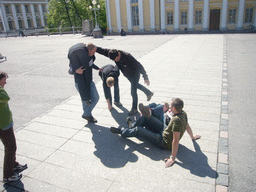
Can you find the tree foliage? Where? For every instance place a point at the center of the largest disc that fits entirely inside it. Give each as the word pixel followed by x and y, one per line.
pixel 68 13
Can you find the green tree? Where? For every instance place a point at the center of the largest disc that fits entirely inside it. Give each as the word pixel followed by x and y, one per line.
pixel 68 13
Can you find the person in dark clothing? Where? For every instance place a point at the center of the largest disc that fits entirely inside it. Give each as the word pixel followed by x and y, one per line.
pixel 81 57
pixel 109 76
pixel 131 69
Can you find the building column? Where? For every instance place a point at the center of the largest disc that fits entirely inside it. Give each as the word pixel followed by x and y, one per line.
pixel 176 15
pixel 190 15
pixel 206 16
pixel 3 16
pixel 24 15
pixel 14 13
pixel 41 15
pixel 163 13
pixel 108 16
pixel 118 15
pixel 240 18
pixel 152 15
pixel 33 14
pixel 129 15
pixel 141 16
pixel 224 10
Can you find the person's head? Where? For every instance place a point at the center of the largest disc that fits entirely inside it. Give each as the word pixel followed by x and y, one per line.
pixel 110 81
pixel 166 106
pixel 176 105
pixel 91 49
pixel 3 77
pixel 114 55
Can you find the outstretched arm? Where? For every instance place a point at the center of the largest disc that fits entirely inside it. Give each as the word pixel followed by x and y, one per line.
pixel 190 132
pixel 102 51
pixel 175 145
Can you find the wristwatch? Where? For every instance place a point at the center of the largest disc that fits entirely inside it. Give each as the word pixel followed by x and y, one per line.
pixel 173 158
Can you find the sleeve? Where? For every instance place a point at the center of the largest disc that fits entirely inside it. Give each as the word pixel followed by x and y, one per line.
pixel 106 90
pixel 176 125
pixel 102 51
pixel 95 66
pixel 4 97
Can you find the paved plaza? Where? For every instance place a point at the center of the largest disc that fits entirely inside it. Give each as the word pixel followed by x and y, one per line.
pixel 65 153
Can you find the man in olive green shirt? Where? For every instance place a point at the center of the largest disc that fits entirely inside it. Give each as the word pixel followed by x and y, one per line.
pixel 177 124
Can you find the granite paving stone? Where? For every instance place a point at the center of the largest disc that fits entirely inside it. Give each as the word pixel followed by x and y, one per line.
pixel 66 153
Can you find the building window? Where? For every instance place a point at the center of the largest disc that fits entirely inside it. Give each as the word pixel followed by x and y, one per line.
pixel 17 8
pixel 198 0
pixel 43 8
pixel 29 22
pixel 26 8
pixel 135 15
pixel 232 16
pixel 134 1
pixel 169 1
pixel 198 17
pixel 35 8
pixel 20 23
pixel 38 23
pixel 7 10
pixel 183 0
pixel 10 25
pixel 183 17
pixel 169 18
pixel 45 21
pixel 248 15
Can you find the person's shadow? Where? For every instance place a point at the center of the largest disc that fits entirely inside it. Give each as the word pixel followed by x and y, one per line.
pixel 112 151
pixel 196 162
pixel 16 186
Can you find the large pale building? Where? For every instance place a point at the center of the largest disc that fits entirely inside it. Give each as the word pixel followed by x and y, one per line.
pixel 19 15
pixel 177 15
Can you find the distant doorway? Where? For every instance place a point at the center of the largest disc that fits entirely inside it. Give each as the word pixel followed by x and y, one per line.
pixel 214 19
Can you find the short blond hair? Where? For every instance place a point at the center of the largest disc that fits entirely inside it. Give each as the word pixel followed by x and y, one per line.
pixel 166 104
pixel 91 46
pixel 110 81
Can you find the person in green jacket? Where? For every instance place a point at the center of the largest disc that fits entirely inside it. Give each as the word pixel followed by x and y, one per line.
pixel 11 168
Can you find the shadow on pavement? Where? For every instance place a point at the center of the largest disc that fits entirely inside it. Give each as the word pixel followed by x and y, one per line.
pixel 112 152
pixel 16 186
pixel 196 162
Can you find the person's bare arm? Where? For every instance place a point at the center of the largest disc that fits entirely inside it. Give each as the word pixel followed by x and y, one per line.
pixel 190 132
pixel 175 145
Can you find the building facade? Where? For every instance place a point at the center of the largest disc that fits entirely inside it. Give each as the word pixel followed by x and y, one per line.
pixel 20 15
pixel 178 15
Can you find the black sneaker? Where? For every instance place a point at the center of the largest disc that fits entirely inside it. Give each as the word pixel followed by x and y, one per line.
pixel 19 168
pixel 13 178
pixel 115 130
pixel 144 110
pixel 149 96
pixel 90 119
pixel 129 122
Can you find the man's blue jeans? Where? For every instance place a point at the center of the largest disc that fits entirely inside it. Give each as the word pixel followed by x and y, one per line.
pixel 134 86
pixel 94 99
pixel 139 131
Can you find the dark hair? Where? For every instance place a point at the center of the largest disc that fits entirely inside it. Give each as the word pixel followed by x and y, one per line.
pixel 112 54
pixel 178 104
pixel 3 74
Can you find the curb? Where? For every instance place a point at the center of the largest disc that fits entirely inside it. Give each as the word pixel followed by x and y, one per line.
pixel 222 181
